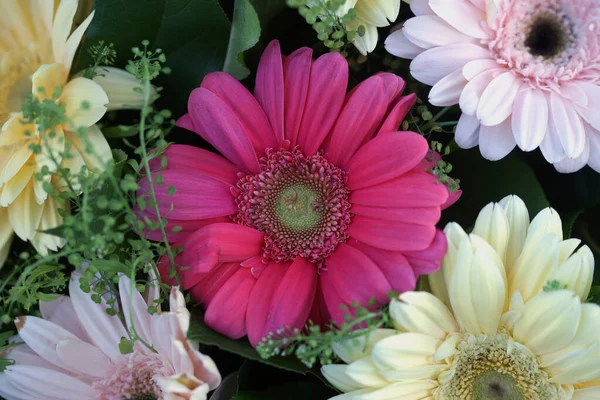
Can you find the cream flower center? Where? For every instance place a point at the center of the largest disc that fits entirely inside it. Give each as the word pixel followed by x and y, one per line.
pixel 494 368
pixel 16 68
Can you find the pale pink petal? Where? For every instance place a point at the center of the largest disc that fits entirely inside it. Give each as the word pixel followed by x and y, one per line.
pixel 43 337
pixel 429 31
pixel 495 142
pixel 328 83
pixel 497 100
pixel 269 87
pixel 467 131
pixel 391 235
pixel 24 355
pixel 49 384
pixel 348 265
pixel 594 137
pixel 420 7
pixel 476 67
pixel 227 312
pixel 589 112
pixel 394 153
pixel 397 114
pixel 569 125
pixel 247 109
pixel 471 94
pixel 462 15
pixel 215 244
pixel 260 300
pixel 448 90
pixel 293 298
pixel 397 44
pixel 11 392
pixel 165 326
pixel 530 118
pixel 205 290
pixel 393 264
pixel 429 260
pixel 62 313
pixel 568 165
pixel 135 309
pixel 296 74
pixel 219 125
pixel 354 126
pixel 105 331
pixel 192 190
pixel 551 146
pixel 84 358
pixel 432 65
pixel 575 92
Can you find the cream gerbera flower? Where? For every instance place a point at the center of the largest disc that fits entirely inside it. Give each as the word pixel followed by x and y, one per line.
pixel 506 320
pixel 36 53
pixel 371 14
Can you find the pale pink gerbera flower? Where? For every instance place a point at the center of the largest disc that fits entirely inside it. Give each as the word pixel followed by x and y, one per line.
pixel 525 72
pixel 73 352
pixel 316 202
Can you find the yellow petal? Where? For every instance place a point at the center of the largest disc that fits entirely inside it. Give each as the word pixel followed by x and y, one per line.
pixel 366 43
pixel 75 165
pixel 73 42
pixel 61 27
pixel 24 214
pixel 405 350
pixel 411 390
pixel 80 91
pixel 48 81
pixel 51 219
pixel 16 184
pixel 492 226
pixel 518 223
pixel 439 280
pixel 378 12
pixel 17 160
pixel 577 272
pixel 119 85
pixel 549 321
pixel 477 286
pixel 365 373
pixel 336 375
pixel 15 132
pixel 358 348
pixel 422 312
pixel 53 147
pixel 101 152
pixel 586 369
pixel 535 265
pixel 6 235
pixel 589 393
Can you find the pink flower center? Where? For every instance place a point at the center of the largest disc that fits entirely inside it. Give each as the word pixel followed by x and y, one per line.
pixel 132 378
pixel 548 41
pixel 300 204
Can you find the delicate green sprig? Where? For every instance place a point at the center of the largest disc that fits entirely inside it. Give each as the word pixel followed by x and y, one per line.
pixel 331 28
pixel 103 55
pixel 552 286
pixel 314 343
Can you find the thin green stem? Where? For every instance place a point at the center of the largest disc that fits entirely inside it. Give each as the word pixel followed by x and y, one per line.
pixel 437 116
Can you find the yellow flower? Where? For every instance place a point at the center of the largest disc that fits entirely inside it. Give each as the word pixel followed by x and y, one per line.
pixel 36 54
pixel 371 14
pixel 506 320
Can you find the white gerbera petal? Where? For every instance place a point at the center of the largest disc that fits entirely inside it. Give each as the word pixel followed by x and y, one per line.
pixel 518 223
pixel 439 280
pixel 356 349
pixel 577 272
pixel 422 312
pixel 492 225
pixel 549 322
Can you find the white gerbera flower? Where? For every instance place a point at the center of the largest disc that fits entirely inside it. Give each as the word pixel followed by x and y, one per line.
pixel 506 320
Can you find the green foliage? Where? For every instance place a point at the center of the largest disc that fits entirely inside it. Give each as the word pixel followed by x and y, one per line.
pixel 552 286
pixel 245 33
pixel 101 54
pixel 332 29
pixel 314 342
pixel 4 347
pixel 194 33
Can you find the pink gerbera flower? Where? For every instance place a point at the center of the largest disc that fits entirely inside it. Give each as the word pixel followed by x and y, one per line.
pixel 316 202
pixel 525 72
pixel 73 352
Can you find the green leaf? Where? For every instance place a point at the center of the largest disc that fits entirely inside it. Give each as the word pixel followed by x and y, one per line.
pixel 110 266
pixel 126 346
pixel 245 32
pixel 484 181
pixel 201 333
pixel 192 33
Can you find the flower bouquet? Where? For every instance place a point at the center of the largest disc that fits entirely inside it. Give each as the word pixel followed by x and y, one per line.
pixel 299 199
